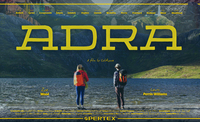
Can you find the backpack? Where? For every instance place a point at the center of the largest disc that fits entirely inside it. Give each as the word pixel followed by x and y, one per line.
pixel 123 77
pixel 78 78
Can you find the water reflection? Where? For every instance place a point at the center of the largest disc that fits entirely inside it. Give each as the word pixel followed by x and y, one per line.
pixel 26 92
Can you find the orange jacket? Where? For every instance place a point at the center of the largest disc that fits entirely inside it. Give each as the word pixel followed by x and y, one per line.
pixel 79 77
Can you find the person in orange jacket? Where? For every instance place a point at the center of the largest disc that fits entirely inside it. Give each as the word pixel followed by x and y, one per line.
pixel 80 76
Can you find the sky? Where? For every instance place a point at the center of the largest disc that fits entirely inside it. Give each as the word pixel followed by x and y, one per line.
pixel 103 1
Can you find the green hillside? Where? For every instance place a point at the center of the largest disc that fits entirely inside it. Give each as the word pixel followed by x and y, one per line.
pixel 169 71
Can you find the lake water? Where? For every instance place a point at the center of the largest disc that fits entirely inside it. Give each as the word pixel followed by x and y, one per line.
pixel 26 92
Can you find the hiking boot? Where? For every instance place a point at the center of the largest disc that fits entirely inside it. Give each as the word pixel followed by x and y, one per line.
pixel 83 108
pixel 118 108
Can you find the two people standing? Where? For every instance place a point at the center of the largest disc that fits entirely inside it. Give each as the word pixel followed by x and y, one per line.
pixel 119 81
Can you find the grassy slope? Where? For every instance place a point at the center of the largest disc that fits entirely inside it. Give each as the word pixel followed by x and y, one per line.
pixel 183 71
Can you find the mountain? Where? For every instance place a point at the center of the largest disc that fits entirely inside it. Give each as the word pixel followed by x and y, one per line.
pixel 77 8
pixel 57 19
pixel 40 63
pixel 141 24
pixel 189 20
pixel 11 10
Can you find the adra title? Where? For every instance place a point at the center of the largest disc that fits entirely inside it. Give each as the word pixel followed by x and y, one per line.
pixel 108 28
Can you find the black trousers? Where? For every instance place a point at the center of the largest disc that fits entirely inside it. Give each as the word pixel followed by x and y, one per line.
pixel 120 96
